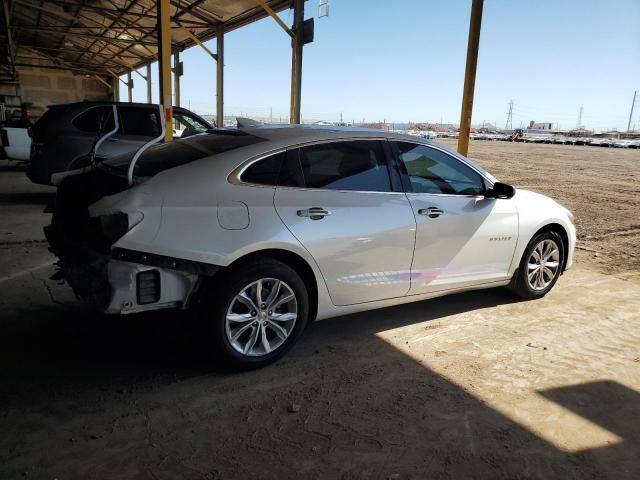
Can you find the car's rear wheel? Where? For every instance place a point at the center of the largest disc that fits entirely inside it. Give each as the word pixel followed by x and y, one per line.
pixel 540 266
pixel 254 314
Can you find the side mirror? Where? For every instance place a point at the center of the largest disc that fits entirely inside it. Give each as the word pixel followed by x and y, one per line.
pixel 501 190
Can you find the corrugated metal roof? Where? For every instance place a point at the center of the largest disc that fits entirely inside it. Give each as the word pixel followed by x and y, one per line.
pixel 95 36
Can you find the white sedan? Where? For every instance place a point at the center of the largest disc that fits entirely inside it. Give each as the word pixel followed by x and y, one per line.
pixel 261 231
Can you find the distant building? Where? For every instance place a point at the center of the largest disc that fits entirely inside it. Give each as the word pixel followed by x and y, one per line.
pixel 541 126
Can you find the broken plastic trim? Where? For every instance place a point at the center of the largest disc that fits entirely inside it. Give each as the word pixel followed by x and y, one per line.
pixel 146 145
pixel 162 261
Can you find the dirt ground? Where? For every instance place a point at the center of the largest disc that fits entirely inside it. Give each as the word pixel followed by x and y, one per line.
pixel 476 385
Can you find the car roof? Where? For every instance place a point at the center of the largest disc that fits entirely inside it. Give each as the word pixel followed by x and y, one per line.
pixel 310 133
pixel 93 103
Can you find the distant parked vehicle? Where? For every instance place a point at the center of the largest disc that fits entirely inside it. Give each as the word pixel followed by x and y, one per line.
pixel 14 139
pixel 63 137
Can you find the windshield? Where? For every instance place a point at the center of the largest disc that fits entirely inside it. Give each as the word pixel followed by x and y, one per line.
pixel 180 152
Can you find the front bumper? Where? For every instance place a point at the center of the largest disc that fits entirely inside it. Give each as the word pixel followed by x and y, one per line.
pixel 572 245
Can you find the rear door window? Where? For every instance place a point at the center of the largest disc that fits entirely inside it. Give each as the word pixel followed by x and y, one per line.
pixel 357 165
pixel 140 121
pixel 95 119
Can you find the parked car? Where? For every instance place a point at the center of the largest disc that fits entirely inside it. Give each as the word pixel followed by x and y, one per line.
pixel 64 135
pixel 263 230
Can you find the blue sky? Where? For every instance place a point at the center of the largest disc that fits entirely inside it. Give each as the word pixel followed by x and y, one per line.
pixel 404 61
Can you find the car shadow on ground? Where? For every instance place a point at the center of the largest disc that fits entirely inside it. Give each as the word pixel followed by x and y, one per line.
pixel 155 342
pixel 81 391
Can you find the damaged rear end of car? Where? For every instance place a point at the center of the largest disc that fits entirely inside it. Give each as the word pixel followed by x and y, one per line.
pixel 93 214
pixel 106 218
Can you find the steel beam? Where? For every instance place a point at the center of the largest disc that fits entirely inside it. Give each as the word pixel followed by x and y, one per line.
pixel 115 81
pixel 220 76
pixel 296 60
pixel 164 63
pixel 104 82
pixel 148 82
pixel 470 76
pixel 176 77
pixel 198 42
pixel 129 87
pixel 83 71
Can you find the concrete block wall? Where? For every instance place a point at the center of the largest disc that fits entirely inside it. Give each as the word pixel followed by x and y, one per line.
pixel 42 87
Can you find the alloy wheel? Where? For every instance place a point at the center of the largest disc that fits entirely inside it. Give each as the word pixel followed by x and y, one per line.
pixel 543 264
pixel 261 317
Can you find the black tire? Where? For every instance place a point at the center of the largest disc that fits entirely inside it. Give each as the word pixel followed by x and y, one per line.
pixel 520 282
pixel 216 299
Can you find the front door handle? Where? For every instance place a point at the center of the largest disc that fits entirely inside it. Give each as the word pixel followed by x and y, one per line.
pixel 431 212
pixel 314 213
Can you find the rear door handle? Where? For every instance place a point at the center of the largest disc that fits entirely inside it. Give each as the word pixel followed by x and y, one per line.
pixel 314 213
pixel 431 212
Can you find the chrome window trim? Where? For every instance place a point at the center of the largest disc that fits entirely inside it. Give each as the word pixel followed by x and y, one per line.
pixel 235 176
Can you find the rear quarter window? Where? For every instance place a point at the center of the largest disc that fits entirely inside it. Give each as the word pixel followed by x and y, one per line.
pixel 264 171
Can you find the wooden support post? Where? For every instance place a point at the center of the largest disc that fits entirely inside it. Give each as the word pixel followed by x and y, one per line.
pixel 470 76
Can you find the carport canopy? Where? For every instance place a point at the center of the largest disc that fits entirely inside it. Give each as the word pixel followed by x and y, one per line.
pixel 106 37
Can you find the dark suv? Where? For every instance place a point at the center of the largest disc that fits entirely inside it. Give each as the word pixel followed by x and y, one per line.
pixel 63 137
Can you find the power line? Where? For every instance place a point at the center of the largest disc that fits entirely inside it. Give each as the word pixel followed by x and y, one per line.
pixel 580 117
pixel 509 124
pixel 633 105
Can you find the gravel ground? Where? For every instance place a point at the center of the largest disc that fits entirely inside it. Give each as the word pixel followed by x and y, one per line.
pixel 476 385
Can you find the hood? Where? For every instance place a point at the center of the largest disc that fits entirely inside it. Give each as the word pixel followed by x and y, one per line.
pixel 527 200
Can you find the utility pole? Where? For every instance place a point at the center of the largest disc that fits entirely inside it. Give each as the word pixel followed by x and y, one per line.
pixel 509 124
pixel 633 105
pixel 580 117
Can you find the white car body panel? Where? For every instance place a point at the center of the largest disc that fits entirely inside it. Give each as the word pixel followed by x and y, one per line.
pixel 472 241
pixel 535 211
pixel 361 255
pixel 363 248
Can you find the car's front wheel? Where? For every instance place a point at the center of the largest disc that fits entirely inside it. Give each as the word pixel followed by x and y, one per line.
pixel 540 266
pixel 254 315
